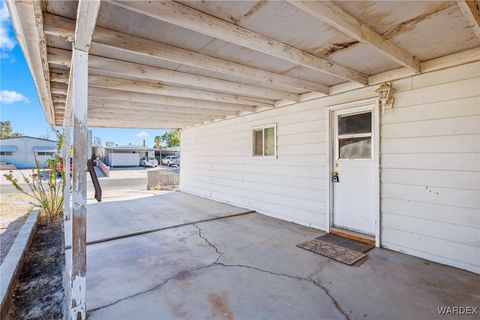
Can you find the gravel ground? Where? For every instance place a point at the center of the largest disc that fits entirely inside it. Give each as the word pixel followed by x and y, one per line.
pixel 39 293
pixel 14 209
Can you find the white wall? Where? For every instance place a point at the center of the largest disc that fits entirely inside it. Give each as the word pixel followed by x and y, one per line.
pixel 23 157
pixel 430 165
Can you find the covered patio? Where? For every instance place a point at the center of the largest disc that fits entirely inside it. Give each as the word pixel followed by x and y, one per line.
pixel 199 259
pixel 259 90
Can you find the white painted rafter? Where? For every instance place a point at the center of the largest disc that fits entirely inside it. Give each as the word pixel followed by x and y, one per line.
pixel 333 15
pixel 57 26
pixel 471 11
pixel 186 17
pixel 27 22
pixel 167 90
pixel 121 69
pixel 166 100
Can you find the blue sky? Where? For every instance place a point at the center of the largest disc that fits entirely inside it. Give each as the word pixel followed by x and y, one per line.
pixel 19 101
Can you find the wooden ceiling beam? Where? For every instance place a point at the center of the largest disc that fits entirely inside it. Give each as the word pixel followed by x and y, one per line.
pixel 167 90
pixel 333 15
pixel 87 13
pixel 192 19
pixel 147 107
pixel 57 26
pixel 59 76
pixel 102 123
pixel 470 10
pixel 58 88
pixel 165 100
pixel 27 22
pixel 149 117
pixel 121 69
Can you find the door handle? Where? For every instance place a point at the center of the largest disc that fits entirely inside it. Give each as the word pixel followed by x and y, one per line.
pixel 335 177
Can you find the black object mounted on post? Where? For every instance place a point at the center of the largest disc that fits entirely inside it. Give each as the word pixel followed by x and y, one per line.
pixel 96 184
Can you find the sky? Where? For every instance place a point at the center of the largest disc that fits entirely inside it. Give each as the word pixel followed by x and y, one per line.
pixel 19 102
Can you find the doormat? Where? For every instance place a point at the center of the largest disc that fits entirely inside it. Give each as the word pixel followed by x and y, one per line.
pixel 333 251
pixel 346 243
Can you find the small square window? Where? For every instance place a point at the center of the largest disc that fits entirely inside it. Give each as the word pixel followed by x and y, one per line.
pixel 265 141
pixel 6 153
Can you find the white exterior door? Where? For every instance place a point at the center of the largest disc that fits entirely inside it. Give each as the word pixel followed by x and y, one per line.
pixel 354 170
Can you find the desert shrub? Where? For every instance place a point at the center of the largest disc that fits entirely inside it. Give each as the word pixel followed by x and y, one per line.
pixel 46 184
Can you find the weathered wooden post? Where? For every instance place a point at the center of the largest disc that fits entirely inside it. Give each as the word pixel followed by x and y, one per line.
pixel 66 167
pixel 86 19
pixel 79 198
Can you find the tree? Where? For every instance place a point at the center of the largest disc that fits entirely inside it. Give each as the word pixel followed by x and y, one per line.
pixel 158 141
pixel 171 138
pixel 6 130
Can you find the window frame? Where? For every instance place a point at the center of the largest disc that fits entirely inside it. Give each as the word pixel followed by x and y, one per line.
pixel 45 153
pixel 6 153
pixel 275 141
pixel 353 135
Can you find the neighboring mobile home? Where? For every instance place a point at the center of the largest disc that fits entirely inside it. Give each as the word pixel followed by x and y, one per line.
pixel 126 156
pixel 359 117
pixel 23 151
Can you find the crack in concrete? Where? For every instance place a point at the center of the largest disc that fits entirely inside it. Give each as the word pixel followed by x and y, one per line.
pixel 317 284
pixel 217 263
pixel 158 286
pixel 220 254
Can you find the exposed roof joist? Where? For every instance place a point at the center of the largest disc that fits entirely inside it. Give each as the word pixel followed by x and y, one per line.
pixel 27 22
pixel 471 11
pixel 87 13
pixel 189 18
pixel 341 20
pixel 57 26
pixel 121 69
pixel 166 90
pixel 166 100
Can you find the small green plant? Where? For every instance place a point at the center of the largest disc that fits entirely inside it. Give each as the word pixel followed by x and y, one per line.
pixel 46 184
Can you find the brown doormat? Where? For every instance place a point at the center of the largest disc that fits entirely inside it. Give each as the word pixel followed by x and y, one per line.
pixel 346 243
pixel 333 251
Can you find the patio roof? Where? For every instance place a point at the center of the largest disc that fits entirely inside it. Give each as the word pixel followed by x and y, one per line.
pixel 165 64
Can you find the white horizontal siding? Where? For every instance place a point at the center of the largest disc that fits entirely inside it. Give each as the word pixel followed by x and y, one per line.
pixel 430 188
pixel 217 163
pixel 430 164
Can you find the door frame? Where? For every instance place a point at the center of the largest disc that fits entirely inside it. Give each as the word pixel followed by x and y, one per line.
pixel 362 105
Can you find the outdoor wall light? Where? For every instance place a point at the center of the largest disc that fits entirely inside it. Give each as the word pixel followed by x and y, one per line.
pixel 385 96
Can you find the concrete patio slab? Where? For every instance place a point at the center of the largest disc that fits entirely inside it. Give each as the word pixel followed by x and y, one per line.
pixel 122 217
pixel 248 267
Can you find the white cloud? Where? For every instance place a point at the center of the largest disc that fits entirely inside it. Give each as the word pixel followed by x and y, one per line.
pixel 9 97
pixel 7 42
pixel 142 135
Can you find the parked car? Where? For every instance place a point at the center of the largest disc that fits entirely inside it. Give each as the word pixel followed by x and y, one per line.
pixel 148 162
pixel 171 161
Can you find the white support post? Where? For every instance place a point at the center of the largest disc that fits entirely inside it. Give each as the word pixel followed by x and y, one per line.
pixel 79 209
pixel 67 210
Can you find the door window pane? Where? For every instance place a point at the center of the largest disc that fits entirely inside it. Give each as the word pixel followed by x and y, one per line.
pixel 258 142
pixel 354 124
pixel 355 148
pixel 269 134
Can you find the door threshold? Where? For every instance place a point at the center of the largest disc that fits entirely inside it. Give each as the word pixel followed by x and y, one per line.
pixel 360 237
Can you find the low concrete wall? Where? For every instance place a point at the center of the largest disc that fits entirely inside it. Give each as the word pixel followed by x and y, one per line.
pixel 162 179
pixel 105 169
pixel 12 265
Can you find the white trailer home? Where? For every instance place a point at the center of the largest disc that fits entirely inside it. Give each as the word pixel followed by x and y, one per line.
pixel 23 151
pixel 360 118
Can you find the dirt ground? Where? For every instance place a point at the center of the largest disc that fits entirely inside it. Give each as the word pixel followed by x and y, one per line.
pixel 13 213
pixel 39 293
